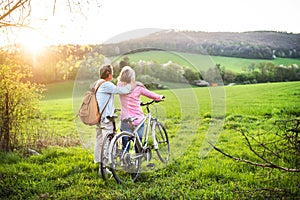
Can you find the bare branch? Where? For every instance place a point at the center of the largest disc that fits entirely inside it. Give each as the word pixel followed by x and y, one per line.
pixel 255 152
pixel 70 5
pixel 54 5
pixel 3 24
pixel 291 130
pixel 17 5
pixel 269 165
pixel 264 145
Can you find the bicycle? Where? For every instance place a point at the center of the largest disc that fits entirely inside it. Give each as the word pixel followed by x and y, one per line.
pixel 125 161
pixel 104 156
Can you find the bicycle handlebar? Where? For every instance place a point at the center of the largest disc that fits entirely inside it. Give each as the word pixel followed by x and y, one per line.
pixel 150 102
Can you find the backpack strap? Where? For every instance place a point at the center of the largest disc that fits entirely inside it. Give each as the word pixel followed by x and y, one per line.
pixel 105 105
pixel 97 85
pixel 95 88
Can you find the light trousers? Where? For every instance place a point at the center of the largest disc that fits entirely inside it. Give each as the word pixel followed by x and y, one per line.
pixel 102 130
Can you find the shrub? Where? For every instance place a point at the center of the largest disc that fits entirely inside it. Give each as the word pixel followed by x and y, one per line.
pixel 19 105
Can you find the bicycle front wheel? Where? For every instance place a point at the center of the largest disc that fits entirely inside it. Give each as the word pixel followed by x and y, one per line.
pixel 104 157
pixel 161 136
pixel 125 160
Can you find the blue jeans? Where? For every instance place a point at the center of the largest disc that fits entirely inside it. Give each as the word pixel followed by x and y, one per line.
pixel 125 127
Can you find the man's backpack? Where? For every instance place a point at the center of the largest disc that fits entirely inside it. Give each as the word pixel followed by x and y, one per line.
pixel 89 111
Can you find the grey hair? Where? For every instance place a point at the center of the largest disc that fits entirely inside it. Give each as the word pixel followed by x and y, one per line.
pixel 127 75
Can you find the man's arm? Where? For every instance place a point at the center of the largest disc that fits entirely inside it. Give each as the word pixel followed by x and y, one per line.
pixel 122 90
pixel 111 88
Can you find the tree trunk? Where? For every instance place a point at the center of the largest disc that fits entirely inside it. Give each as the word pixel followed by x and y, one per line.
pixel 5 130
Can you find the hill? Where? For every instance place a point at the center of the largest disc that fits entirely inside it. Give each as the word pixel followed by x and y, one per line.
pixel 184 59
pixel 256 44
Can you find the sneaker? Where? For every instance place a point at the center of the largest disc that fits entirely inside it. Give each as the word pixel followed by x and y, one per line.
pixel 107 171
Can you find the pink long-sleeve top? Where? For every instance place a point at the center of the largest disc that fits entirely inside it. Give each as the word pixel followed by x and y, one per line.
pixel 130 103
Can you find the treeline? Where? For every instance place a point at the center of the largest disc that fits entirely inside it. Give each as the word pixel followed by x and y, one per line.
pixel 153 74
pixel 262 72
pixel 256 45
pixel 70 62
pixel 52 63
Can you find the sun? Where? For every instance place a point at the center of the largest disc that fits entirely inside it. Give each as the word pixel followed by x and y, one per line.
pixel 32 41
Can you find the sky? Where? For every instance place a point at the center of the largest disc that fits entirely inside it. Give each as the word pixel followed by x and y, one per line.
pixel 115 20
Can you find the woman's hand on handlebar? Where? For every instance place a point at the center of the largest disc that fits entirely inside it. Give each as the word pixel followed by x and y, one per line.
pixel 153 101
pixel 161 99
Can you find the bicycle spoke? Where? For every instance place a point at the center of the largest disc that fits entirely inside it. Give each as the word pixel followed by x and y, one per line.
pixel 125 164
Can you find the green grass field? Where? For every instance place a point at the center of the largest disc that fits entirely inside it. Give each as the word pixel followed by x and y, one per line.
pixel 202 62
pixel 194 172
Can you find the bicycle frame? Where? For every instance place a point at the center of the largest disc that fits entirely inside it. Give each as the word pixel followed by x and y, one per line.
pixel 127 150
pixel 151 122
pixel 137 142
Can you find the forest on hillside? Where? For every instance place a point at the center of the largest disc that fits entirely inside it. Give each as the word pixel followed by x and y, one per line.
pixel 256 44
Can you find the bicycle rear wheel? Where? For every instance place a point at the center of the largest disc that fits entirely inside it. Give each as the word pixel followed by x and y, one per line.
pixel 104 157
pixel 161 136
pixel 125 161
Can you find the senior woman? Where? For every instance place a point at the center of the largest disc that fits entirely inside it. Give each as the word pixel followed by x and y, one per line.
pixel 130 103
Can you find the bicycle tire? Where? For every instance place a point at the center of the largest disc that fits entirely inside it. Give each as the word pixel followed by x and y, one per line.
pixel 163 151
pixel 125 166
pixel 104 156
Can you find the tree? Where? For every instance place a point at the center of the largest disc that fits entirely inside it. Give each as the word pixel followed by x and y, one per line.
pixel 191 75
pixel 124 62
pixel 214 75
pixel 280 151
pixel 14 13
pixel 19 96
pixel 17 14
pixel 229 76
pixel 19 100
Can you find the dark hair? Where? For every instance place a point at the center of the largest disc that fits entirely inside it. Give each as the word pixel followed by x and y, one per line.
pixel 105 71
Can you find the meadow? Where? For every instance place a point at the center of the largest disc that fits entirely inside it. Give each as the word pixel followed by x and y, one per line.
pixel 192 116
pixel 203 62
